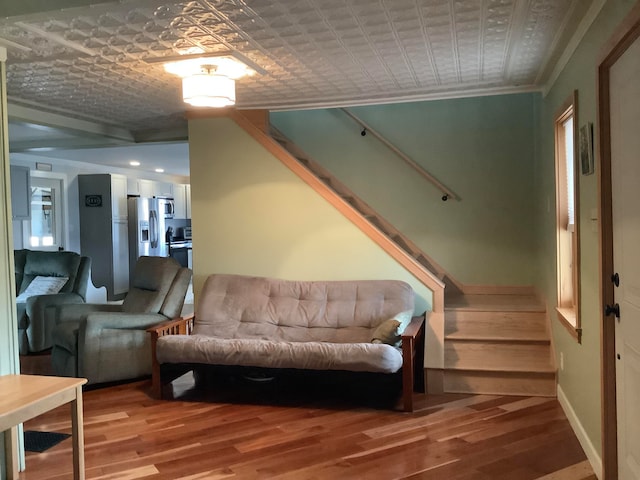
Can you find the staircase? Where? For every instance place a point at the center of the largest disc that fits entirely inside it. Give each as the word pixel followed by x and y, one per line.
pixel 494 343
pixel 497 344
pixel 368 213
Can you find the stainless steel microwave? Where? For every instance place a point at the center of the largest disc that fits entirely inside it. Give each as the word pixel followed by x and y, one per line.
pixel 167 207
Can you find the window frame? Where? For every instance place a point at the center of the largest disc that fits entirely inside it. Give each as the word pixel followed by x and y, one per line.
pixel 57 185
pixel 567 242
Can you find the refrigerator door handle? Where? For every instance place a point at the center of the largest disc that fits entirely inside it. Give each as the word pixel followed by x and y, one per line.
pixel 153 227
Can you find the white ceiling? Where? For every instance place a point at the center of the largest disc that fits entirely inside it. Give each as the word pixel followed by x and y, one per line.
pixel 82 69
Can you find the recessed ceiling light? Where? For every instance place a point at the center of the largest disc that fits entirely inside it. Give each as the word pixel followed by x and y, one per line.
pixel 134 163
pixel 160 170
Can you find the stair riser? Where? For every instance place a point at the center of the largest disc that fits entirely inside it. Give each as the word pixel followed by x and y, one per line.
pixel 500 324
pixel 497 355
pixel 494 303
pixel 498 383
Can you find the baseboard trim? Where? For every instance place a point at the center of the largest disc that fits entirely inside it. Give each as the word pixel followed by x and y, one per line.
pixel 590 451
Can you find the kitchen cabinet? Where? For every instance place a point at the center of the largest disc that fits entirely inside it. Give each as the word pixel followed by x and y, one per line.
pixel 146 188
pixel 163 189
pixel 133 187
pixel 20 193
pixel 150 188
pixel 182 200
pixel 140 188
pixel 104 232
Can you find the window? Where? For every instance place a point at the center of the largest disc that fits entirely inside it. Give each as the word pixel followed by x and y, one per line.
pixel 567 224
pixel 45 230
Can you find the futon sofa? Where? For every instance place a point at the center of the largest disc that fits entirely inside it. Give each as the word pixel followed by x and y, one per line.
pixel 358 326
pixel 45 280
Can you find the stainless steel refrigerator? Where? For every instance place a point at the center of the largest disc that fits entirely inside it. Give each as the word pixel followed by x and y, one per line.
pixel 146 229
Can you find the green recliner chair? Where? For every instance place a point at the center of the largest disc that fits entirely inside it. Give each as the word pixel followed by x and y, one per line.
pixel 109 342
pixel 36 313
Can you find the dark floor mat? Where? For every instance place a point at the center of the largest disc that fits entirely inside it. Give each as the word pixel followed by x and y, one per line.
pixel 42 441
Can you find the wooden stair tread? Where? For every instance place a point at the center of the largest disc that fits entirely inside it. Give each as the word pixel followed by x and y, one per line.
pixel 495 302
pixel 539 369
pixel 510 336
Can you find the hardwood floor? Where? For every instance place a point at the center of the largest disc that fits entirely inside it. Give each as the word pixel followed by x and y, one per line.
pixel 245 432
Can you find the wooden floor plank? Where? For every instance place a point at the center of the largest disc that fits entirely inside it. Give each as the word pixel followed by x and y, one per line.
pixel 128 435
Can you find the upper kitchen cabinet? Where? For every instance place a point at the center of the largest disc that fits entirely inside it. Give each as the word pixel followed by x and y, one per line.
pixel 141 188
pixel 163 189
pixel 20 193
pixel 182 200
pixel 150 188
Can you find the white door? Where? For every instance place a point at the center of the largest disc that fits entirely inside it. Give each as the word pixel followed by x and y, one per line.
pixel 625 177
pixel 45 229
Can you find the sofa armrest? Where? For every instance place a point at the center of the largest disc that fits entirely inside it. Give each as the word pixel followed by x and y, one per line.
pixel 412 359
pixel 41 311
pixel 177 326
pixel 121 320
pixel 113 343
pixel 414 327
pixel 78 312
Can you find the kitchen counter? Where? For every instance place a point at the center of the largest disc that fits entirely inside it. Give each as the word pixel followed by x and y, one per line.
pixel 179 244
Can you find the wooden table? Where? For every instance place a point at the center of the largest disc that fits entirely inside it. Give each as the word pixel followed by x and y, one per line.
pixel 23 397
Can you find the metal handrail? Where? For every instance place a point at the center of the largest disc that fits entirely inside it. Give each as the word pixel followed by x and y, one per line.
pixel 367 129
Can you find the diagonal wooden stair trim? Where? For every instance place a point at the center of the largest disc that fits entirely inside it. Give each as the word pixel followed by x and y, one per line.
pixel 453 287
pixel 368 213
pixel 429 279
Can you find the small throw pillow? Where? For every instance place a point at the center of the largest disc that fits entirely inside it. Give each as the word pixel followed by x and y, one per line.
pixel 387 332
pixel 42 286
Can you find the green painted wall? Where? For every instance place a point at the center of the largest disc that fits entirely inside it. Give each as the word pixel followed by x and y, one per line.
pixel 581 378
pixel 251 215
pixel 481 148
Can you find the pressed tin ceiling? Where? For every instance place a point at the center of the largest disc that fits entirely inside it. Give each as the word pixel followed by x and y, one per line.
pixel 90 62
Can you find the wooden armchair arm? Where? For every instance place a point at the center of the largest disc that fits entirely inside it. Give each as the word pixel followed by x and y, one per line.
pixel 414 327
pixel 177 326
pixel 412 358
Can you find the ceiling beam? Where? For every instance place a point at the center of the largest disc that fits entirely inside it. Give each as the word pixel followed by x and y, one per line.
pixel 20 113
pixel 12 8
pixel 68 143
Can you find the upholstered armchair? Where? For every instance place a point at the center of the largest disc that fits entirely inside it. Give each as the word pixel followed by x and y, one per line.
pixel 109 342
pixel 41 287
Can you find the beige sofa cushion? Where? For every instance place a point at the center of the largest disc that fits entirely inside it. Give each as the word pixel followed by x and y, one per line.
pixel 236 306
pixel 355 357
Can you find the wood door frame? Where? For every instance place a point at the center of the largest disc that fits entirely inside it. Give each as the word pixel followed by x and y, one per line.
pixel 620 41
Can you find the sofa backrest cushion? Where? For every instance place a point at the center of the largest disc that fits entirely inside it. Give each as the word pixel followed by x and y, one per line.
pixel 237 306
pixel 51 264
pixel 150 284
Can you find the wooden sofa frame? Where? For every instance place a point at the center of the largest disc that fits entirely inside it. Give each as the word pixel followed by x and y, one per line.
pixel 412 357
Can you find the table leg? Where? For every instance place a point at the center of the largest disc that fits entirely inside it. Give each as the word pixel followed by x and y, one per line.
pixel 78 435
pixel 11 452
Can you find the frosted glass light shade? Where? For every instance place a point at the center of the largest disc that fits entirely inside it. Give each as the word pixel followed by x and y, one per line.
pixel 209 90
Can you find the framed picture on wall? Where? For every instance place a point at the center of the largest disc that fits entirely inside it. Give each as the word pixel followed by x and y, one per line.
pixel 586 148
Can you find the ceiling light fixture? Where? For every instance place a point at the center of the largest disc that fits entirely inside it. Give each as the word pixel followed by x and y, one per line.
pixel 134 163
pixel 208 80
